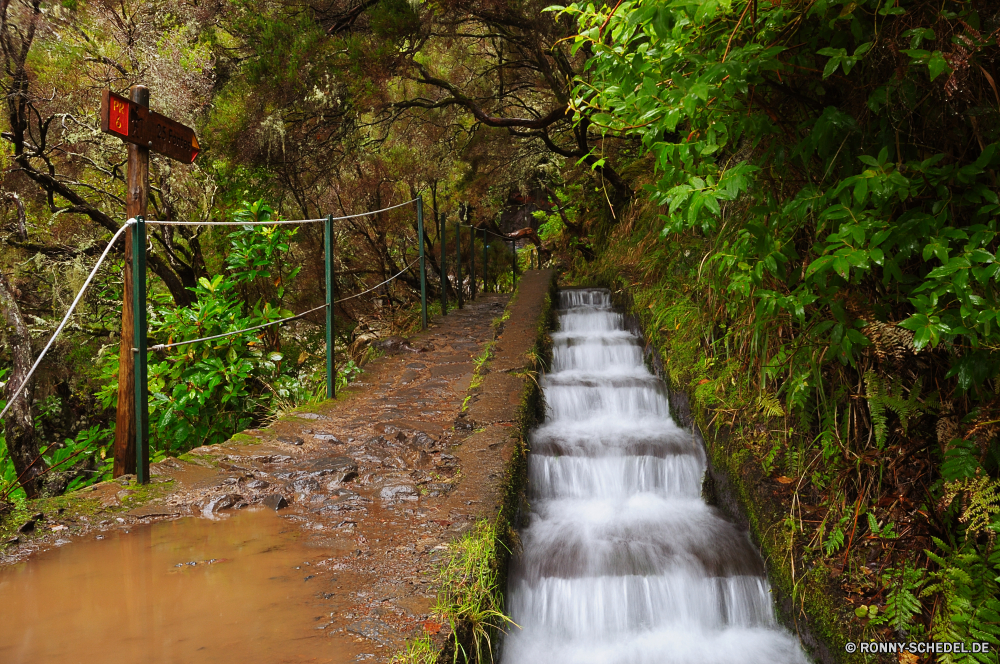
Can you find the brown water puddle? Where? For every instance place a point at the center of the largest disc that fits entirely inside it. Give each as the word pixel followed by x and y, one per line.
pixel 136 597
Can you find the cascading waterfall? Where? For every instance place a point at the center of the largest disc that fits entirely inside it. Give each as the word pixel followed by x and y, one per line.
pixel 622 560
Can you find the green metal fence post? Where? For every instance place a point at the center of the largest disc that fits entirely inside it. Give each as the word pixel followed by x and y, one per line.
pixel 442 238
pixel 139 341
pixel 423 267
pixel 472 263
pixel 331 350
pixel 486 263
pixel 458 263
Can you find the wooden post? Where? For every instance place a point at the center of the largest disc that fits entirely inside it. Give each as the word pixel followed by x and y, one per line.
pixel 136 200
pixel 423 267
pixel 331 365
pixel 442 238
pixel 139 339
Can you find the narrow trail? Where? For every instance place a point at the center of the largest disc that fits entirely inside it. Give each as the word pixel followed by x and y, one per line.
pixel 377 482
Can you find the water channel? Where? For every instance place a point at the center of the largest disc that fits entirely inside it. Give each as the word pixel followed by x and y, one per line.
pixel 622 559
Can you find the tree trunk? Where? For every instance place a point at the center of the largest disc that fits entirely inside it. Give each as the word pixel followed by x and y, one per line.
pixel 19 427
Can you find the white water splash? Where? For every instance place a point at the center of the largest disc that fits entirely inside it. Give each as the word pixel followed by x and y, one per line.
pixel 622 560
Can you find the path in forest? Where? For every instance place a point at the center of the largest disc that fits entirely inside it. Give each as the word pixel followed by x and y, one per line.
pixel 377 481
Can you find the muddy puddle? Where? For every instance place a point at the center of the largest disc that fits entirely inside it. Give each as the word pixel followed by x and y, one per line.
pixel 242 589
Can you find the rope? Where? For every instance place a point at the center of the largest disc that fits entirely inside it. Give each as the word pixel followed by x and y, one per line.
pixel 79 296
pixel 502 237
pixel 229 334
pixel 121 230
pixel 414 262
pixel 272 223
pixel 276 322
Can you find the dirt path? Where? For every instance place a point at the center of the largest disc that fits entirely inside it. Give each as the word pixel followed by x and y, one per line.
pixel 377 482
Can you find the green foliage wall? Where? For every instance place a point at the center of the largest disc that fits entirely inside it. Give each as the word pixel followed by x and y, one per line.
pixel 826 197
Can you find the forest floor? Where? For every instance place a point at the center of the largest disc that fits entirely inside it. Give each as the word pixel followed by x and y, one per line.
pixel 377 483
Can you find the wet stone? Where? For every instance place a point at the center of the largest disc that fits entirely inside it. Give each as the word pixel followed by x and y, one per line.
pixel 275 502
pixel 220 503
pixel 391 494
pixel 376 630
pixel 257 485
pixel 305 485
pixel 338 465
pixel 328 438
pixel 291 440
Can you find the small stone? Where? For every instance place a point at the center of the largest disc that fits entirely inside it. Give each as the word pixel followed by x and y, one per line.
pixel 305 485
pixel 399 492
pixel 328 438
pixel 12 540
pixel 291 440
pixel 257 485
pixel 275 501
pixel 27 527
pixel 221 503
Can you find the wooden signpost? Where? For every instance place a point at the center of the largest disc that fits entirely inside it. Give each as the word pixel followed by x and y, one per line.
pixel 132 121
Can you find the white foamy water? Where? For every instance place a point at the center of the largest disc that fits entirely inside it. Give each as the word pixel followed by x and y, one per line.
pixel 623 562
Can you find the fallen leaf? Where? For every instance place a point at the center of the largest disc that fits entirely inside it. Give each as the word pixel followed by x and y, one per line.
pixel 908 658
pixel 785 480
pixel 432 627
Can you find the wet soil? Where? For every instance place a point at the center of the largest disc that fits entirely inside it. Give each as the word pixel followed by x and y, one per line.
pixel 376 482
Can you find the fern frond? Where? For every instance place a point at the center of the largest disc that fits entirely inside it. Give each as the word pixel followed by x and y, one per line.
pixel 769 405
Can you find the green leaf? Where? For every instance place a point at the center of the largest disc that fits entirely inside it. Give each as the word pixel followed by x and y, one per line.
pixel 831 67
pixel 937 65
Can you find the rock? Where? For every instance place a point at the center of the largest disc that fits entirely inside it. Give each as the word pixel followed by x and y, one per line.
pixel 375 630
pixel 12 540
pixel 394 344
pixel 399 492
pixel 125 480
pixel 308 416
pixel 257 485
pixel 336 466
pixel 27 527
pixel 291 440
pixel 271 458
pixel 305 485
pixel 220 503
pixel 328 438
pixel 275 501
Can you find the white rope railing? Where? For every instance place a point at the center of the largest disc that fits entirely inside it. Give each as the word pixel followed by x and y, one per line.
pixel 121 230
pixel 397 275
pixel 229 334
pixel 69 313
pixel 273 222
pixel 282 320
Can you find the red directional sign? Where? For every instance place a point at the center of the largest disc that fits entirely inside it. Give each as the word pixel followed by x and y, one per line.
pixel 137 124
